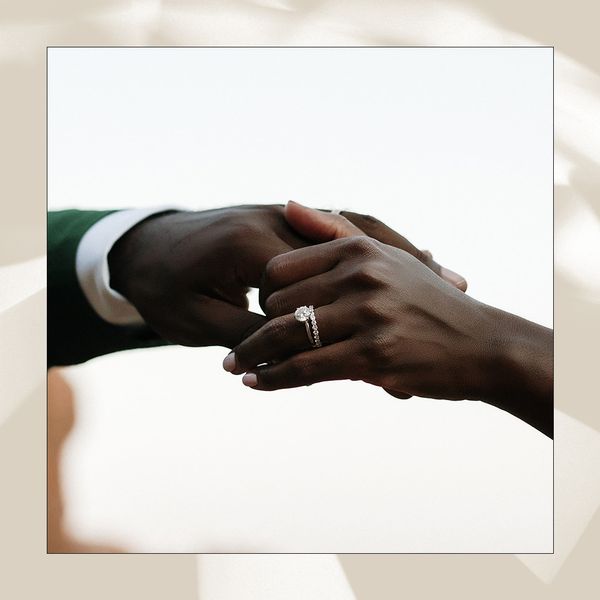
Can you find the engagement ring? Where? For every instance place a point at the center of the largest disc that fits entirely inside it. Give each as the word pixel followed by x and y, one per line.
pixel 306 315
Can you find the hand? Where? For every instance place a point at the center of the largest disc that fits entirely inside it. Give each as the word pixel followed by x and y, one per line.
pixel 188 273
pixel 319 226
pixel 385 319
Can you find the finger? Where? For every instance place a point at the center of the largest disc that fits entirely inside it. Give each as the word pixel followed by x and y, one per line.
pixel 284 336
pixel 255 254
pixel 319 290
pixel 318 226
pixel 401 395
pixel 322 364
pixel 380 231
pixel 321 226
pixel 297 265
pixel 453 278
pixel 210 322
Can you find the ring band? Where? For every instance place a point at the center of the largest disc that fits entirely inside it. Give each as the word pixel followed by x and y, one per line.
pixel 306 315
pixel 315 329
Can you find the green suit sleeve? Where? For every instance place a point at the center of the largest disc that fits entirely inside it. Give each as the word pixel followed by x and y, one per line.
pixel 75 332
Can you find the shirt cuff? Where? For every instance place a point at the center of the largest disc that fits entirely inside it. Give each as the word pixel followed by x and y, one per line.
pixel 91 264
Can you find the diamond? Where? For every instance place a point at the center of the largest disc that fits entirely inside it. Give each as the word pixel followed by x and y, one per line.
pixel 302 314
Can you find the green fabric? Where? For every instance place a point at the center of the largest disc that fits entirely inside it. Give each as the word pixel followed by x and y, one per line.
pixel 75 332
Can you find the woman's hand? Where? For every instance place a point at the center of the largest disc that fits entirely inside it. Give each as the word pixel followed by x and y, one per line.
pixel 386 319
pixel 383 318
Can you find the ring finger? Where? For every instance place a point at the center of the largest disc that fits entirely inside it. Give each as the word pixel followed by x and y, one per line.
pixel 284 336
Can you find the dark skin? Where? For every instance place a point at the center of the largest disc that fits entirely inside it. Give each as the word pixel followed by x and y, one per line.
pixel 398 326
pixel 188 273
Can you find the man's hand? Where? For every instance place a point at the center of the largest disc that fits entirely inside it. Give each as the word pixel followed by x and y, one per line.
pixel 188 273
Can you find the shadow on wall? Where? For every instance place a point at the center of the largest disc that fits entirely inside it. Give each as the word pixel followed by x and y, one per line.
pixel 61 418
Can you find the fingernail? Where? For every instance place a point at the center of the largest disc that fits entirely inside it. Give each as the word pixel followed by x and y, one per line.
pixel 229 362
pixel 454 278
pixel 250 379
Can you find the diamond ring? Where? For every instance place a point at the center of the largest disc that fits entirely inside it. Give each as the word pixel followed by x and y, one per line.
pixel 306 315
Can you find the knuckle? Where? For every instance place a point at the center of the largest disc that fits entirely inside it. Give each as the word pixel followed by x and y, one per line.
pixel 383 351
pixel 273 269
pixel 238 231
pixel 375 359
pixel 275 304
pixel 362 245
pixel 370 310
pixel 368 275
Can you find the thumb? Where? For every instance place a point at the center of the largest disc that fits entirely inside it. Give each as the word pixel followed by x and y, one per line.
pixel 317 225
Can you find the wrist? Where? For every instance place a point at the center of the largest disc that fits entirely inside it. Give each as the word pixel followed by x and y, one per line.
pixel 127 259
pixel 120 259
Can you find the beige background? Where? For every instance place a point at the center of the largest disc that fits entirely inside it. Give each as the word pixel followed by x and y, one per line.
pixel 27 27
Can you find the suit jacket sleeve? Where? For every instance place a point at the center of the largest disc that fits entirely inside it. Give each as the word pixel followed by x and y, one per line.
pixel 75 332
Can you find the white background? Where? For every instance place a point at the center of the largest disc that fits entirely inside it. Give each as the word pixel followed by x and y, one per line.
pixel 451 147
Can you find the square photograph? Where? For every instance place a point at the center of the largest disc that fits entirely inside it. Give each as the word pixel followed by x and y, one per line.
pixel 300 300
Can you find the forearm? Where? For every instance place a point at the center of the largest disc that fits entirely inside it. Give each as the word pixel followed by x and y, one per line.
pixel 520 369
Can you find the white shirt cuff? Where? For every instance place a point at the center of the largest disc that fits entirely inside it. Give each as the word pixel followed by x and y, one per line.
pixel 91 264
